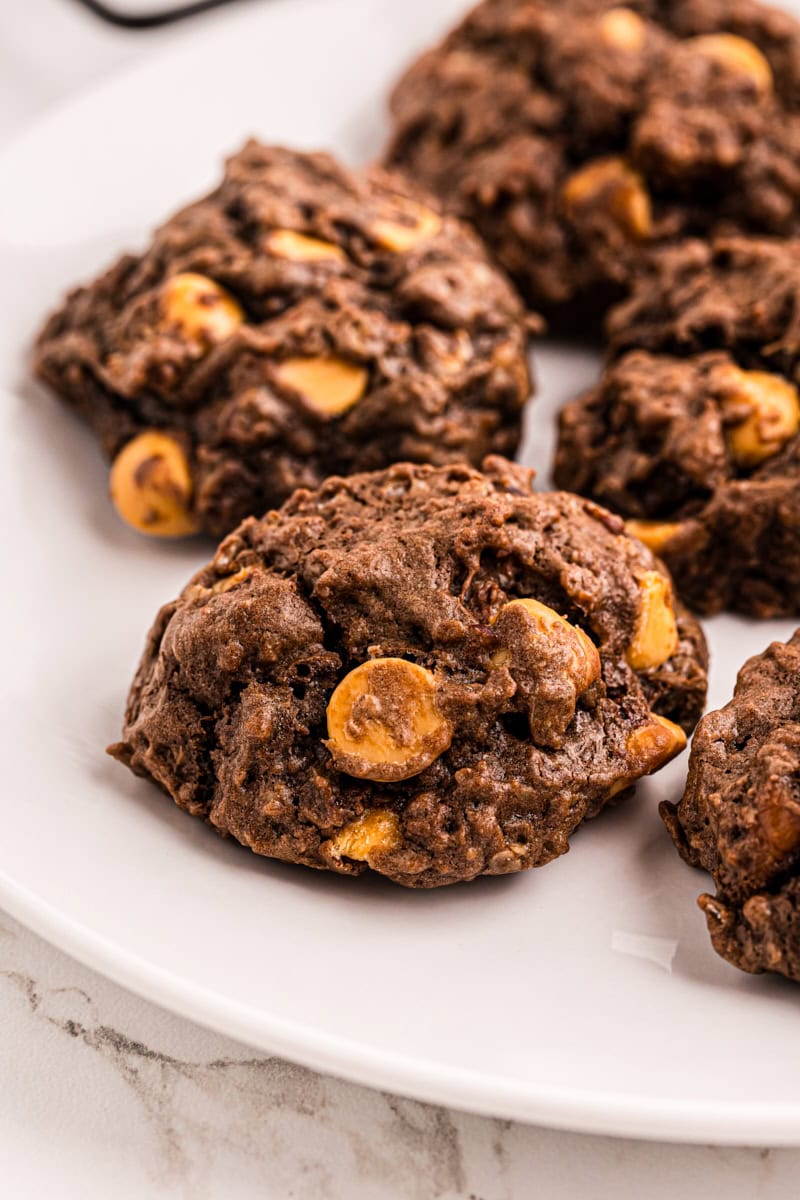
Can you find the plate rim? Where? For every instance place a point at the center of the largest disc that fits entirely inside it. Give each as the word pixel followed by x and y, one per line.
pixel 573 1110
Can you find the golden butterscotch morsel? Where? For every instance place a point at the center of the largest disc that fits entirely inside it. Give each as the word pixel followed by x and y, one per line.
pixel 612 182
pixel 737 54
pixel 384 723
pixel 328 385
pixel 656 636
pixel 651 746
pixel 648 748
pixel 545 622
pixel 656 535
pixel 151 486
pixel 400 236
pixel 772 408
pixel 622 28
pixel 299 247
pixel 199 310
pixel 375 831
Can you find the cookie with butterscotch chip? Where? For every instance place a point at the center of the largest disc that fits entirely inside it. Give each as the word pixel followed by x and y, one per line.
pixel 434 673
pixel 739 817
pixel 579 135
pixel 693 432
pixel 302 319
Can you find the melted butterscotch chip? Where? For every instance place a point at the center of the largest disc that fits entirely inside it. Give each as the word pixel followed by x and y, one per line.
pixel 383 722
pixel 199 309
pixel 374 832
pixel 622 29
pixel 400 236
pixel 584 665
pixel 764 414
pixel 615 185
pixel 651 746
pixel 552 662
pixel 151 486
pixel 654 534
pixel 287 243
pixel 735 54
pixel 328 385
pixel 656 636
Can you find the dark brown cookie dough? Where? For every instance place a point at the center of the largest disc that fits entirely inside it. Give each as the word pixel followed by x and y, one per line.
pixel 577 135
pixel 739 817
pixel 299 320
pixel 694 429
pixel 431 672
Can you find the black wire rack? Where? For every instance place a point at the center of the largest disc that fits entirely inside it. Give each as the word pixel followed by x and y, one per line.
pixel 151 20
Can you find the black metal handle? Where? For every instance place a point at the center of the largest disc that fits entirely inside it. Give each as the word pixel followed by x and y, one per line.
pixel 152 19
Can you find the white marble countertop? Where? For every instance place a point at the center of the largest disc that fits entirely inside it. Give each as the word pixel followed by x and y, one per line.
pixel 105 1095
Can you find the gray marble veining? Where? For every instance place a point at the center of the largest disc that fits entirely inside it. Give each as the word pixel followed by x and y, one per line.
pixel 100 1089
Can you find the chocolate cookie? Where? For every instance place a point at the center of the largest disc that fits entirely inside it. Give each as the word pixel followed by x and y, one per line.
pixel 431 672
pixel 577 135
pixel 695 434
pixel 299 320
pixel 739 817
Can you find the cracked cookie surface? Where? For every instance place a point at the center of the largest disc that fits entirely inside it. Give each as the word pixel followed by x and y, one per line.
pixel 693 432
pixel 739 817
pixel 579 135
pixel 300 320
pixel 434 673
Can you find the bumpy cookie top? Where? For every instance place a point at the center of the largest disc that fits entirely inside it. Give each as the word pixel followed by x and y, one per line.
pixel 578 134
pixel 695 434
pixel 301 319
pixel 740 815
pixel 433 672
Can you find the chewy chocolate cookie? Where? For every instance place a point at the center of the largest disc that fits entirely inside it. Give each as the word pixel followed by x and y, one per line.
pixel 431 672
pixel 695 433
pixel 299 320
pixel 739 817
pixel 579 134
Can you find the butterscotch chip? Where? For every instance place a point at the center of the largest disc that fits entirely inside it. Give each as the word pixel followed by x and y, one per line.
pixel 552 661
pixel 656 535
pixel 199 309
pixel 650 746
pixel 328 385
pixel 287 243
pixel 384 722
pixel 613 184
pixel 546 623
pixel 770 415
pixel 400 236
pixel 622 28
pixel 656 636
pixel 739 817
pixel 151 486
pixel 374 832
pixel 418 672
pixel 735 54
pixel 284 357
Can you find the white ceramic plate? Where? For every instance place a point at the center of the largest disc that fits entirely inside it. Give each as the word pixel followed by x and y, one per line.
pixel 585 995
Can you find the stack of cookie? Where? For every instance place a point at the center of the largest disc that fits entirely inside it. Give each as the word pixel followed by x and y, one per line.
pixel 419 665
